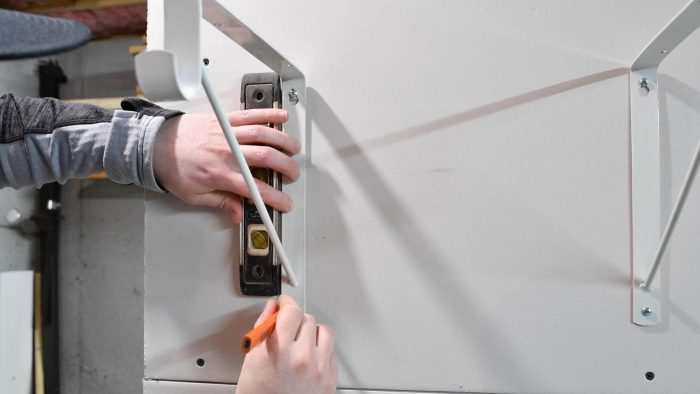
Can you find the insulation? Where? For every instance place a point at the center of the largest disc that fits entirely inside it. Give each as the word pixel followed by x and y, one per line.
pixel 106 22
pixel 103 22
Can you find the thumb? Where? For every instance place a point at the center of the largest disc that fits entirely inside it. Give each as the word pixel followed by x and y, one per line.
pixel 270 308
pixel 228 202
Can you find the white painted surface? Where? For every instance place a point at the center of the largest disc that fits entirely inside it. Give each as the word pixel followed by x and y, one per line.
pixel 175 72
pixel 645 192
pixel 514 117
pixel 16 317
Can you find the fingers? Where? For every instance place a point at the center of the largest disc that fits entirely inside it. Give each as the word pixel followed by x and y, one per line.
pixel 263 135
pixel 334 374
pixel 326 341
pixel 228 202
pixel 270 308
pixel 257 116
pixel 266 157
pixel 289 318
pixel 307 332
pixel 234 183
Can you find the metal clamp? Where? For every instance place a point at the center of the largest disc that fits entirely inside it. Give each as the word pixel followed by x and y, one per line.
pixel 648 245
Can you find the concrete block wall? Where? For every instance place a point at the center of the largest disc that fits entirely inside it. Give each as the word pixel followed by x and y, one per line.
pixel 101 272
pixel 101 248
pixel 17 77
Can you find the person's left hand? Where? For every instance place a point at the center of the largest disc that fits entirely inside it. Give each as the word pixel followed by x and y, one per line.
pixel 297 358
pixel 193 161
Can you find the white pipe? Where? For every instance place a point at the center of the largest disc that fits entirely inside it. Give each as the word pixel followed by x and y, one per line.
pixel 675 214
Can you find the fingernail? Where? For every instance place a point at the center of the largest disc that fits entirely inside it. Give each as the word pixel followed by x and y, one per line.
pixel 291 204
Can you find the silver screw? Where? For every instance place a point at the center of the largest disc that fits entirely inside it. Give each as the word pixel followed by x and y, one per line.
pixel 293 97
pixel 646 311
pixel 13 217
pixel 52 205
pixel 644 87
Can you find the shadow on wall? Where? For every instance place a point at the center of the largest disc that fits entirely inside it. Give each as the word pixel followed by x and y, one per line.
pixel 670 86
pixel 349 148
pixel 409 233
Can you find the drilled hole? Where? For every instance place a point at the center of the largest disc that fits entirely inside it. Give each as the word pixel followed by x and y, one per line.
pixel 649 375
pixel 258 96
pixel 200 362
pixel 258 271
pixel 206 61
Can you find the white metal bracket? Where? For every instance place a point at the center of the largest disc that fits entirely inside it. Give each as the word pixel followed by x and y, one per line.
pixel 648 244
pixel 176 72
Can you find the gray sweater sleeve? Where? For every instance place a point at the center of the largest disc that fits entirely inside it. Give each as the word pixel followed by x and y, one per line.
pixel 45 140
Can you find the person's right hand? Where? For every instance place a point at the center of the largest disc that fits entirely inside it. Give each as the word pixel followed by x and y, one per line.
pixel 297 358
pixel 194 162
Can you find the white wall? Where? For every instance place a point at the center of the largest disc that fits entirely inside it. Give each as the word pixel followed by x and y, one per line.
pixel 468 202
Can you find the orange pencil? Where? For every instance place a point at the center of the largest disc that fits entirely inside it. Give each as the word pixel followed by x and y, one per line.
pixel 258 334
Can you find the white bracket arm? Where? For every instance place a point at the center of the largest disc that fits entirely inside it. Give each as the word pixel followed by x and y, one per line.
pixel 175 73
pixel 648 245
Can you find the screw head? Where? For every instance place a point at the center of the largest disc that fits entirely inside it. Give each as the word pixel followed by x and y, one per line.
pixel 644 86
pixel 293 96
pixel 646 311
pixel 13 216
pixel 52 205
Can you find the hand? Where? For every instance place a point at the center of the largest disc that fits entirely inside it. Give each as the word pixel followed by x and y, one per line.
pixel 297 358
pixel 193 161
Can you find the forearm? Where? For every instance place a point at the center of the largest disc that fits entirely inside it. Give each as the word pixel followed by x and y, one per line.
pixel 44 140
